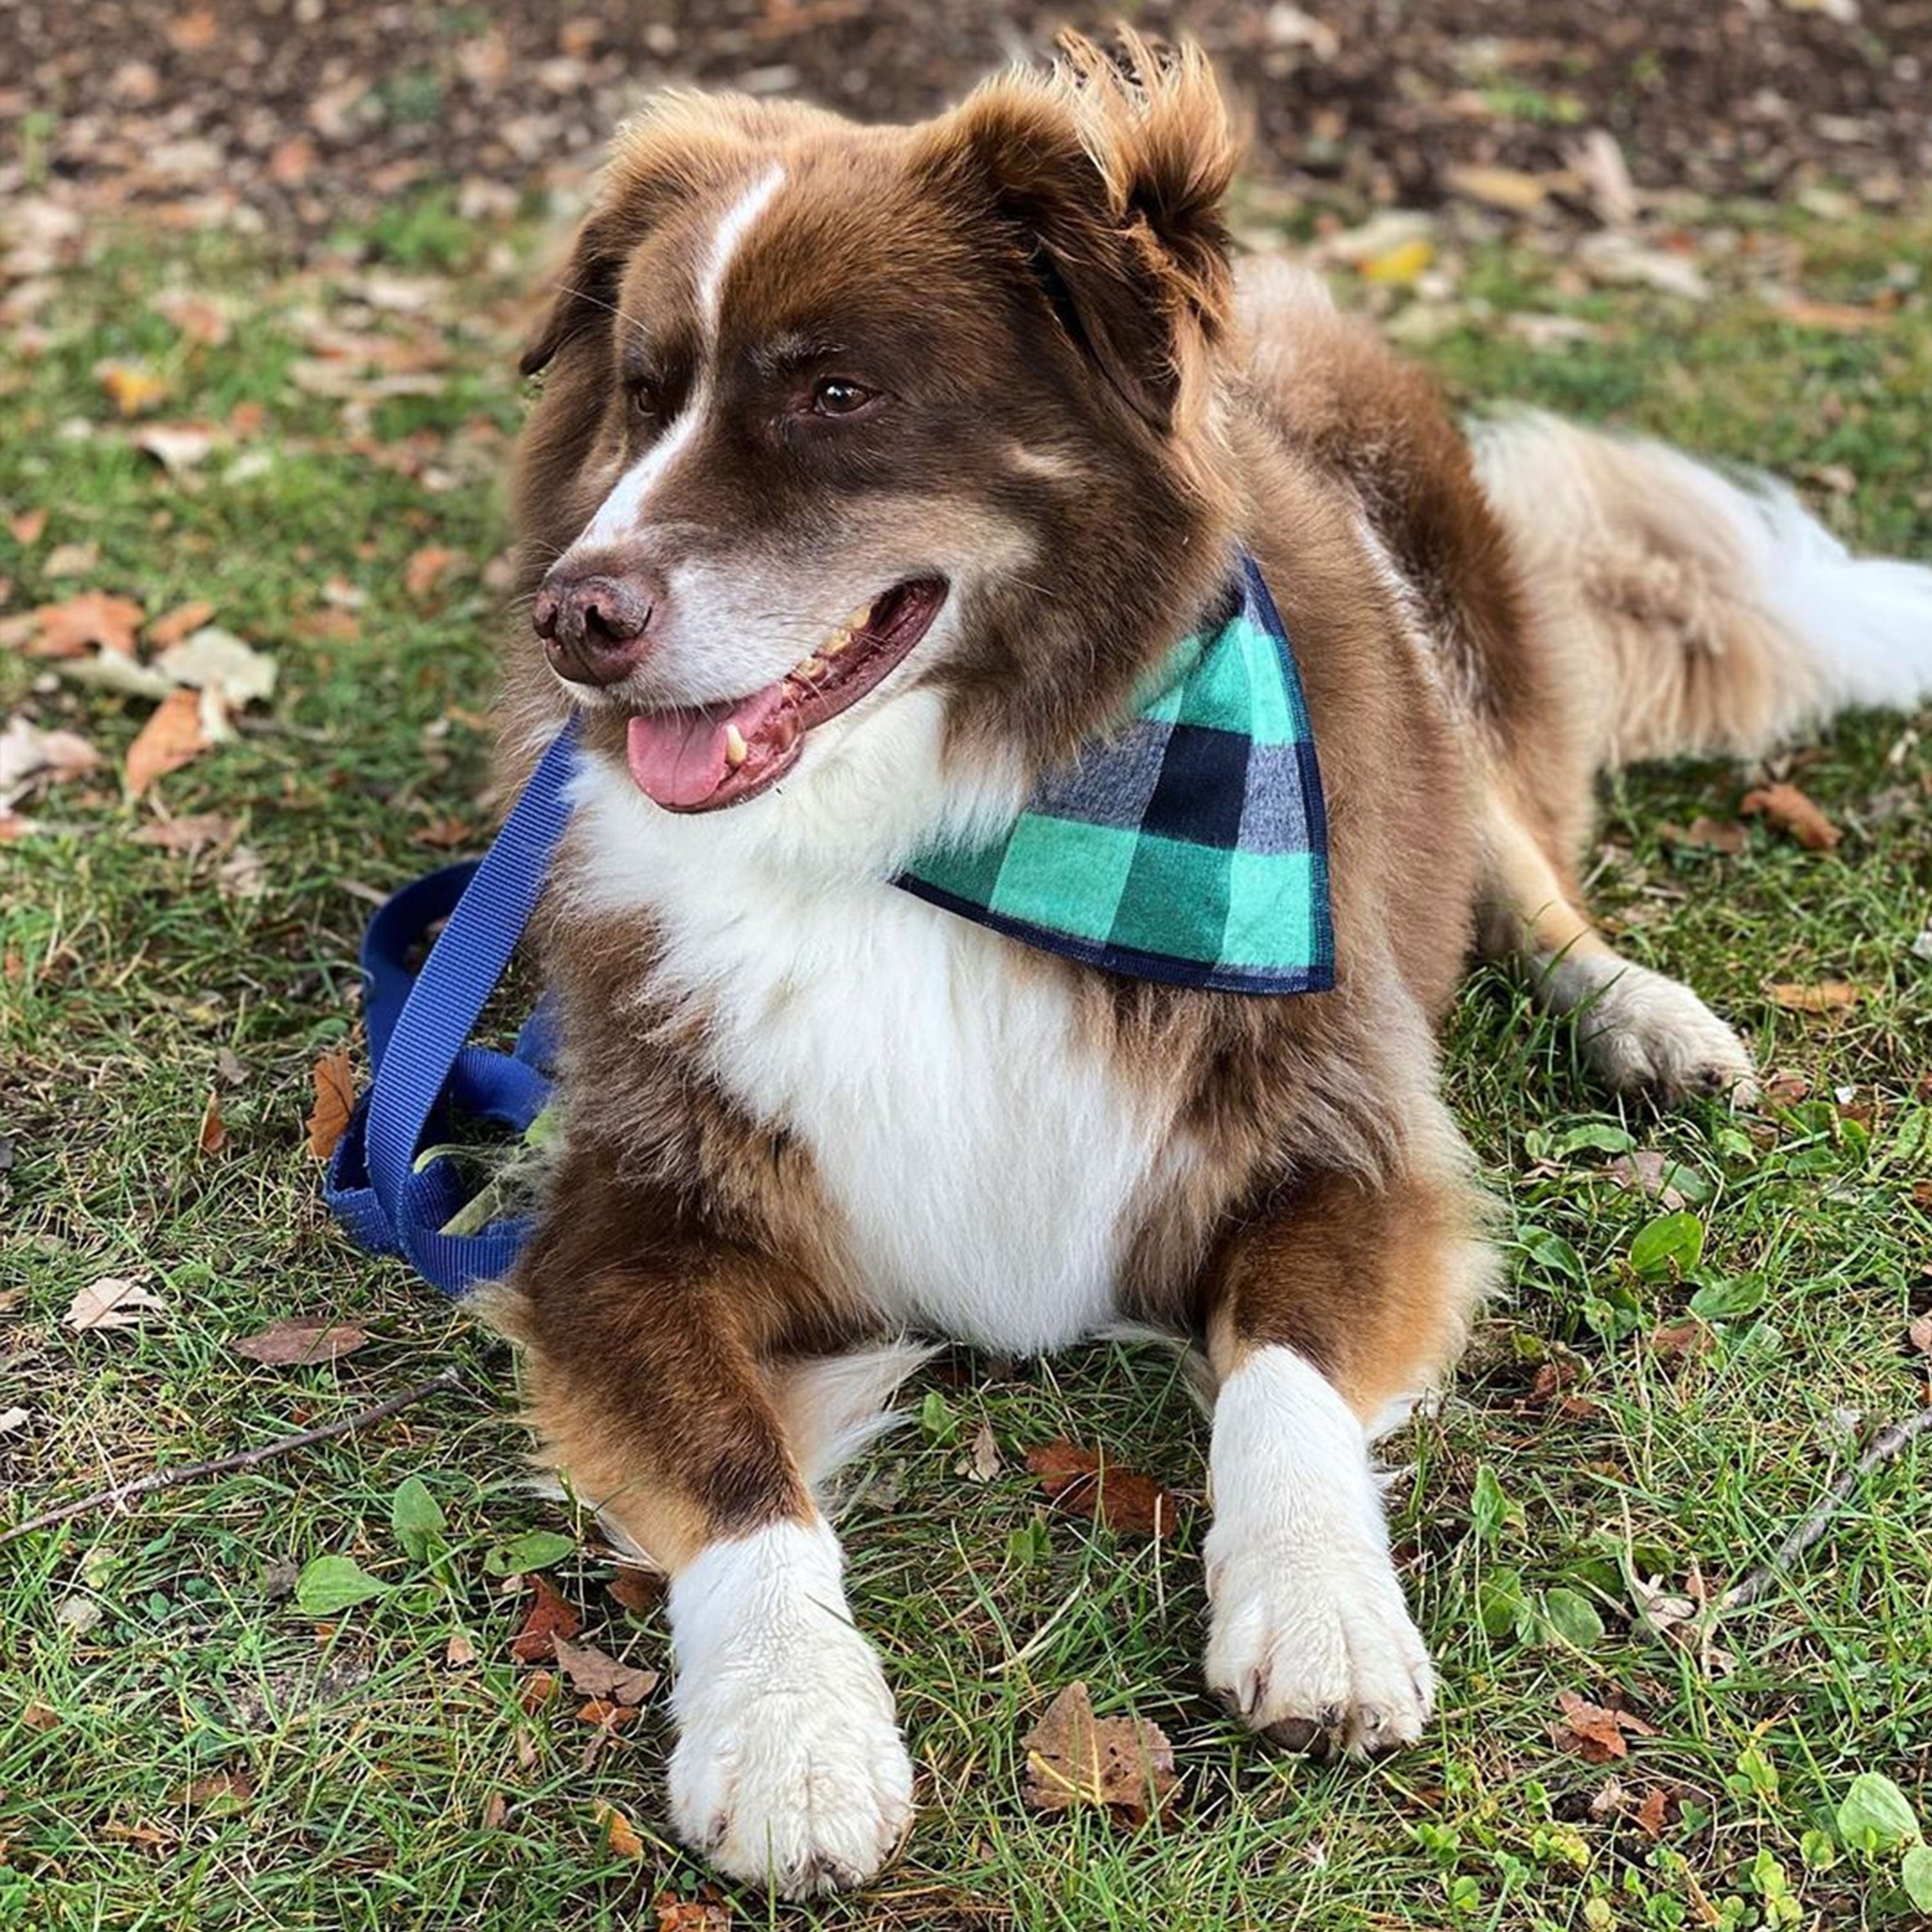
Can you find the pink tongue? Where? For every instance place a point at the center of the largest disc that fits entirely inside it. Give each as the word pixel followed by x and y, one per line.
pixel 677 757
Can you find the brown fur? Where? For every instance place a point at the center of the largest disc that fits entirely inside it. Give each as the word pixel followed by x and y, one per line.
pixel 1047 268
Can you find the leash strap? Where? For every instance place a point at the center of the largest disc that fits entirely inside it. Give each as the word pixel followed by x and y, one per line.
pixel 418 1025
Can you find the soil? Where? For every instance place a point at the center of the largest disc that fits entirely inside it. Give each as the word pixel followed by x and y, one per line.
pixel 302 116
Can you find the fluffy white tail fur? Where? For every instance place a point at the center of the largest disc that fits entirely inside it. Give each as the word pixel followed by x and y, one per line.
pixel 1694 612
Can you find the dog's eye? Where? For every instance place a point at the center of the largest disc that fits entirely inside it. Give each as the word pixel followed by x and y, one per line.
pixel 836 397
pixel 646 399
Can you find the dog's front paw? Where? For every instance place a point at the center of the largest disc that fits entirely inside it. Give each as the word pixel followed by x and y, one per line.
pixel 1643 1032
pixel 789 1769
pixel 1313 1645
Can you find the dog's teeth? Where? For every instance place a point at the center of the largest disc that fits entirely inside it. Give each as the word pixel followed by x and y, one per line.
pixel 735 750
pixel 811 670
pixel 836 642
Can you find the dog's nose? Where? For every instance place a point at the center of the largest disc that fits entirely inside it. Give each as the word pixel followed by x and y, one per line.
pixel 594 628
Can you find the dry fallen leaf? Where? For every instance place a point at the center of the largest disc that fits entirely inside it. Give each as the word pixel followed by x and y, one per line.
pixel 1593 1733
pixel 221 1790
pixel 619 1834
pixel 706 1912
pixel 427 568
pixel 132 389
pixel 171 738
pixel 173 625
pixel 1919 1334
pixel 1677 1340
pixel 1719 834
pixel 213 1135
pixel 114 1301
pixel 11 1419
pixel 597 1674
pixel 69 628
pixel 1124 1765
pixel 1647 1171
pixel 334 1102
pixel 606 1714
pixel 1787 807
pixel 981 1462
pixel 190 834
pixel 1650 1812
pixel 177 447
pixel 301 1339
pixel 38 1716
pixel 1122 1500
pixel 1826 996
pixel 31 757
pixel 639 1592
pixel 25 528
pixel 550 1617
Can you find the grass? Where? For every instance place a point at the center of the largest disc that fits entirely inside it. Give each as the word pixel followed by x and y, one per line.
pixel 146 1652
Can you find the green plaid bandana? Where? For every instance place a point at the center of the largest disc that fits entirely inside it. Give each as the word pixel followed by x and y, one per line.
pixel 1191 846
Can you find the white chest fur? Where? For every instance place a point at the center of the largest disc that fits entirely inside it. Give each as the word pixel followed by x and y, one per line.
pixel 981 1154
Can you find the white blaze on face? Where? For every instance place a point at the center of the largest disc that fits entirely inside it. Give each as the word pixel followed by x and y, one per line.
pixel 619 514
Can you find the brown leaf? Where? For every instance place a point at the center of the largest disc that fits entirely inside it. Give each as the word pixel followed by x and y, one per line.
pixel 1650 1812
pixel 1678 1340
pixel 114 1301
pixel 31 759
pixel 1787 807
pixel 639 1592
pixel 1647 1171
pixel 191 835
pixel 69 628
pixel 597 1674
pixel 334 1102
pixel 1123 1765
pixel 1122 1500
pixel 1593 1733
pixel 426 568
pixel 222 1790
pixel 459 1651
pixel 1719 834
pixel 213 1135
pixel 1919 1334
pixel 981 1462
pixel 607 1715
pixel 550 1617
pixel 1826 996
pixel 38 1716
pixel 174 626
pixel 619 1834
pixel 131 389
pixel 301 1339
pixel 171 738
pixel 25 528
pixel 537 1692
pixel 1834 318
pixel 706 1912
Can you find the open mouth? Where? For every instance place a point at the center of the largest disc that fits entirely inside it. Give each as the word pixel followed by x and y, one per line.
pixel 711 755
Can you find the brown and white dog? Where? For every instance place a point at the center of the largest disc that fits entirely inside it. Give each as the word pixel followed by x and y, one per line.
pixel 872 470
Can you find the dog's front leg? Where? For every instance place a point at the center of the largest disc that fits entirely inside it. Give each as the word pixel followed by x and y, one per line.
pixel 1342 1296
pixel 653 1383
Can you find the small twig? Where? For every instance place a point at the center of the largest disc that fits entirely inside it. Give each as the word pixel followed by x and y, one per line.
pixel 1883 1447
pixel 243 1459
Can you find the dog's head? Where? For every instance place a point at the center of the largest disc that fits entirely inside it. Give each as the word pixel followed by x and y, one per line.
pixel 832 414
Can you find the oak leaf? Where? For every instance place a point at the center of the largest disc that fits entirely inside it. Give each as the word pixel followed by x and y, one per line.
pixel 596 1674
pixel 549 1618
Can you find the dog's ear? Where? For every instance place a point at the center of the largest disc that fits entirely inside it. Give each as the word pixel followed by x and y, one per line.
pixel 1110 173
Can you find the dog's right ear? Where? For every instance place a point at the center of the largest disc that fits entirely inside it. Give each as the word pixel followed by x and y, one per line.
pixel 1109 175
pixel 586 292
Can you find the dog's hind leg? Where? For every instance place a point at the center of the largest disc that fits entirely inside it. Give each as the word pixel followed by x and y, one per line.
pixel 1343 1297
pixel 1639 1030
pixel 658 1383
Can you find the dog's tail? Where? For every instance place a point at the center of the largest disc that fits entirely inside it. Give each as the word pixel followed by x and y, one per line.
pixel 1696 613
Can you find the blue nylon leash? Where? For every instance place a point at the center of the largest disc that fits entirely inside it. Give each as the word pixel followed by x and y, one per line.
pixel 421 1063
